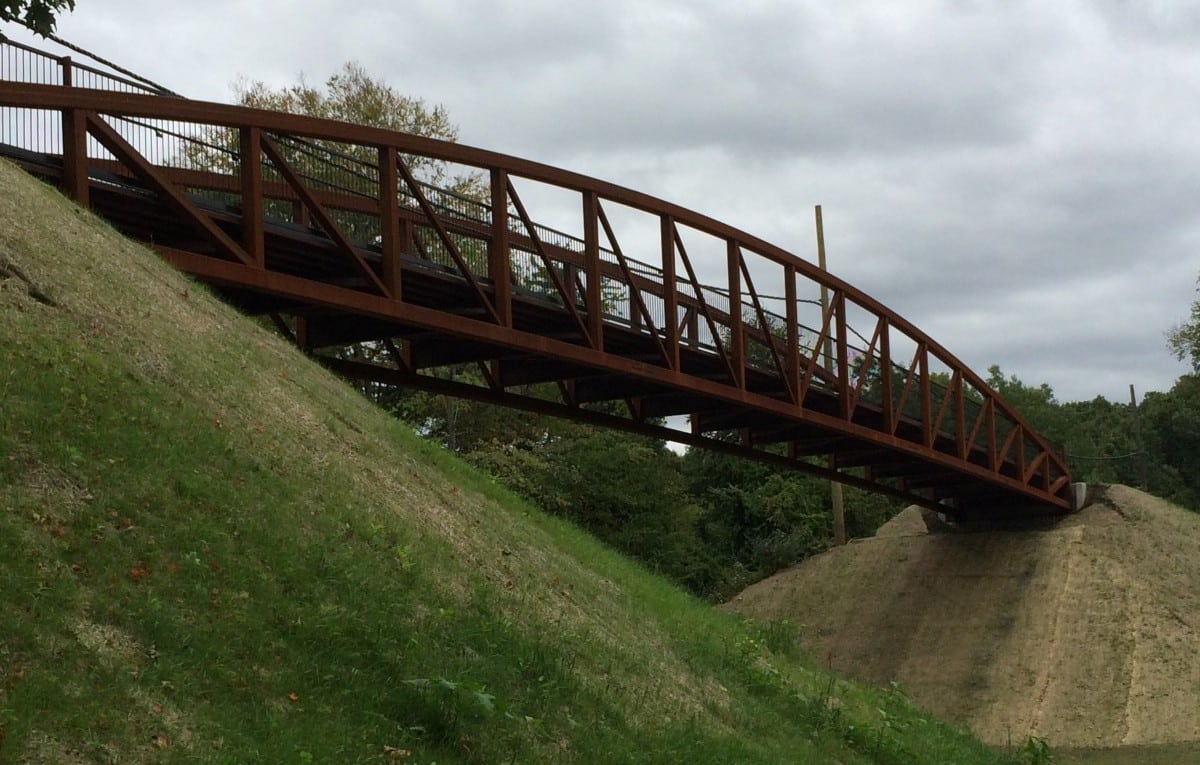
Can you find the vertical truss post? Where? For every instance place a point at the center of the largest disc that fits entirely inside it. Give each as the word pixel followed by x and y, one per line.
pixel 570 280
pixel 302 332
pixel 408 237
pixel 737 335
pixel 75 159
pixel 74 129
pixel 499 270
pixel 389 220
pixel 593 299
pixel 250 172
pixel 925 393
pixel 669 294
pixel 990 415
pixel 843 354
pixel 885 373
pixel 300 214
pixel 1020 458
pixel 960 416
pixel 792 358
pixel 693 326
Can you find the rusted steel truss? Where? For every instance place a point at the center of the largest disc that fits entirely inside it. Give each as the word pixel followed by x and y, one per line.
pixel 555 322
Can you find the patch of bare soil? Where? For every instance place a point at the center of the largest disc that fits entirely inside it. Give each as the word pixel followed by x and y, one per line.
pixel 1086 634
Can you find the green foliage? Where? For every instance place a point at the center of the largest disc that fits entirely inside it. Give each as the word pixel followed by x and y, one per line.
pixel 779 636
pixel 1102 440
pixel 1035 752
pixel 710 522
pixel 454 711
pixel 1172 423
pixel 38 15
pixel 626 490
pixel 1036 404
pixel 463 426
pixel 757 520
pixel 1184 340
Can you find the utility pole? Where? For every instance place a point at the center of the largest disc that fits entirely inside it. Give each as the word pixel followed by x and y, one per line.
pixel 1137 435
pixel 835 488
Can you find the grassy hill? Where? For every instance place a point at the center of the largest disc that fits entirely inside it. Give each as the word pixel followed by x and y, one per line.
pixel 1084 633
pixel 213 551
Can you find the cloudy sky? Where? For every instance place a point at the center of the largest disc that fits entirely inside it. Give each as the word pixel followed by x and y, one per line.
pixel 1017 178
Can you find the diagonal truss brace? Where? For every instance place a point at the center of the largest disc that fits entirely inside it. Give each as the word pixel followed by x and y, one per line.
pixel 153 177
pixel 317 211
pixel 435 221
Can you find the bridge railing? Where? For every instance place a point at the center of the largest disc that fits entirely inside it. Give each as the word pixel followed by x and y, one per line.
pixel 682 280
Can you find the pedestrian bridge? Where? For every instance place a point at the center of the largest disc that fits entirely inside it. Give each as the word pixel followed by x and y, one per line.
pixel 405 261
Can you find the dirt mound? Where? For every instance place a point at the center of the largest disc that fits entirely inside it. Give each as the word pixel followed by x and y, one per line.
pixel 1086 634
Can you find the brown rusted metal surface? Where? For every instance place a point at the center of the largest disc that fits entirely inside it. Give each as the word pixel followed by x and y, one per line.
pixel 433 280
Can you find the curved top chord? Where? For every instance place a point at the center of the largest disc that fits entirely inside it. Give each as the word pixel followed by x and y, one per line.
pixel 332 230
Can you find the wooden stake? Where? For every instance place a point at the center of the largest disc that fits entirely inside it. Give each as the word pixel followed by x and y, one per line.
pixel 1137 435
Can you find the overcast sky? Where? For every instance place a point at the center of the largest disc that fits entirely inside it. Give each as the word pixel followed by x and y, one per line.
pixel 1019 179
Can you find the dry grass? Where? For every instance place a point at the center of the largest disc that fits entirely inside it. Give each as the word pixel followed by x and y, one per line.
pixel 1085 634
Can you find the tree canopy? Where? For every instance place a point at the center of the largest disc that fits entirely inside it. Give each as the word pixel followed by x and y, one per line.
pixel 38 15
pixel 352 95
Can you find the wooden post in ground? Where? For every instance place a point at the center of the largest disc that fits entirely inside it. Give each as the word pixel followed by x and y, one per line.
pixel 1137 435
pixel 835 488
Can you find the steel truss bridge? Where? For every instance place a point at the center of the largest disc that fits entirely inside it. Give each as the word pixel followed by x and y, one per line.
pixel 429 257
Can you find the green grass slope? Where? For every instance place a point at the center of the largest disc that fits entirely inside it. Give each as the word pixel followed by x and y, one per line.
pixel 213 551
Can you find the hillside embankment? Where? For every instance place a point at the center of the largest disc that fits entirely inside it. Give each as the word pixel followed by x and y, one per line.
pixel 1086 634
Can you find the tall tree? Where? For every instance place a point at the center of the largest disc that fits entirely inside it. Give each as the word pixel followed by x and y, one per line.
pixel 38 15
